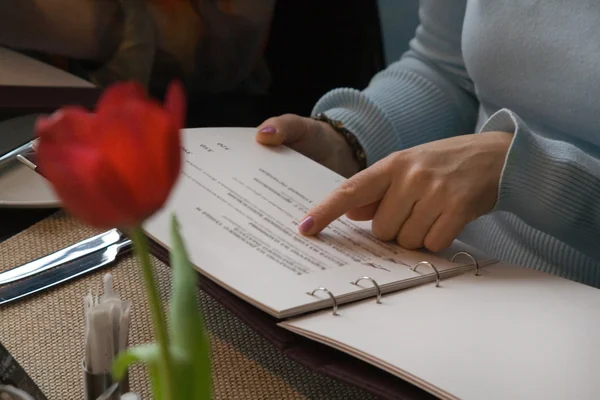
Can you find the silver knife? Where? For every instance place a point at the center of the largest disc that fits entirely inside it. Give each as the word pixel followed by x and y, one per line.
pixel 53 260
pixel 64 272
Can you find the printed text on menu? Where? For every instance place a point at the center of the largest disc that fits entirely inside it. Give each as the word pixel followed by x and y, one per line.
pixel 261 210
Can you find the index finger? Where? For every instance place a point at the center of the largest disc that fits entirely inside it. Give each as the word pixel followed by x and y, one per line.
pixel 362 189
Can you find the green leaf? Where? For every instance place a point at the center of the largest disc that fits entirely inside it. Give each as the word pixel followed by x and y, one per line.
pixel 158 388
pixel 164 363
pixel 189 342
pixel 147 354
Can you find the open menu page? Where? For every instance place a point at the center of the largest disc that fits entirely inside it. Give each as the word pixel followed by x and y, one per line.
pixel 510 333
pixel 239 204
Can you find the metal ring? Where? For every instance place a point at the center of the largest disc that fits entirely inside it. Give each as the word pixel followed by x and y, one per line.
pixel 333 299
pixel 437 273
pixel 470 256
pixel 355 283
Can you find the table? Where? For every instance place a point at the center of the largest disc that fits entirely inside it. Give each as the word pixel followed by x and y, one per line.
pixel 44 332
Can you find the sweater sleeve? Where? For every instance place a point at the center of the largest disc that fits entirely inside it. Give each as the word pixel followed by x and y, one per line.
pixel 551 184
pixel 425 96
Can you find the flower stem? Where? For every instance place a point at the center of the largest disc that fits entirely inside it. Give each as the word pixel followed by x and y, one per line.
pixel 160 326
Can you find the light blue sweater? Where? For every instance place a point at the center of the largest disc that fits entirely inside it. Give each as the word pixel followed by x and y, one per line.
pixel 531 67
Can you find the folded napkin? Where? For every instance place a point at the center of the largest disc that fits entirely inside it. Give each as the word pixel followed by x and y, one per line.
pixel 107 320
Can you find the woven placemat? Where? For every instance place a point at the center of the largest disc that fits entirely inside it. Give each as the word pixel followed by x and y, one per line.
pixel 45 332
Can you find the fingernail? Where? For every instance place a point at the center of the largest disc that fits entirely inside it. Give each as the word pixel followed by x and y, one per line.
pixel 306 224
pixel 268 129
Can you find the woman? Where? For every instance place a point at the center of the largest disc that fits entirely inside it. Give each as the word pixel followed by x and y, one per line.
pixel 524 188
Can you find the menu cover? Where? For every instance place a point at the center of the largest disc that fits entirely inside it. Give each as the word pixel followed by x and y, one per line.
pixel 456 324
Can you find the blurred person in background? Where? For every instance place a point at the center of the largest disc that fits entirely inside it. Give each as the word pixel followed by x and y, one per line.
pixel 214 46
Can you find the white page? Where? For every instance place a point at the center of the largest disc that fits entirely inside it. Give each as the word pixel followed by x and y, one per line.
pixel 239 203
pixel 512 333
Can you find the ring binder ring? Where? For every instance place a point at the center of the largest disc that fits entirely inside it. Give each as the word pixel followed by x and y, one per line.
pixel 437 273
pixel 333 299
pixel 470 256
pixel 355 283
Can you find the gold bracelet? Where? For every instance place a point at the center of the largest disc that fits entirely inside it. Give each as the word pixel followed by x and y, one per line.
pixel 357 150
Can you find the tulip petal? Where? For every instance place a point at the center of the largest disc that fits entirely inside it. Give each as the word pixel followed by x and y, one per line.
pixel 133 141
pixel 115 167
pixel 88 187
pixel 68 125
pixel 118 93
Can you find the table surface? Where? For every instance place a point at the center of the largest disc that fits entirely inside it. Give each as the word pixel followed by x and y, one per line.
pixel 245 364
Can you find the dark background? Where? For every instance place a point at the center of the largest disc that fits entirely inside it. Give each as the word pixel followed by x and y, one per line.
pixel 314 46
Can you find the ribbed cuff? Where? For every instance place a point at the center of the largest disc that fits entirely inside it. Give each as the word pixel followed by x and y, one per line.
pixel 551 185
pixel 399 110
pixel 513 172
pixel 531 181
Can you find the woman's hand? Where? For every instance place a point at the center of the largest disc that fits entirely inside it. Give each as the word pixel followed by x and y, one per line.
pixel 315 139
pixel 422 196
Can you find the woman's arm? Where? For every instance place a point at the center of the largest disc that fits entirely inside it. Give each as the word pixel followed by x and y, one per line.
pixel 425 96
pixel 84 29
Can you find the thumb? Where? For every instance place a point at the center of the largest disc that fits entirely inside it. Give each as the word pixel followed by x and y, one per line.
pixel 285 129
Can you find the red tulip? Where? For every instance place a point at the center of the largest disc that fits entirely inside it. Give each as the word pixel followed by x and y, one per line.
pixel 116 166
